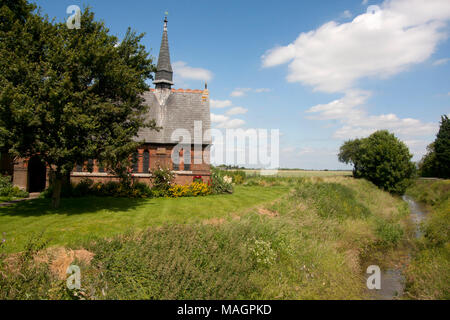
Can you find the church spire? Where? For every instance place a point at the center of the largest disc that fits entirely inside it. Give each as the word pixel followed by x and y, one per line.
pixel 164 72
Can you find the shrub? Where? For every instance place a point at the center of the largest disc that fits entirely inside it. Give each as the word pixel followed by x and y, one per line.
pixel 238 176
pixel 199 189
pixel 141 190
pixel 162 179
pixel 177 191
pixel 193 190
pixel 5 185
pixel 83 188
pixel 110 189
pixel 8 190
pixel 218 183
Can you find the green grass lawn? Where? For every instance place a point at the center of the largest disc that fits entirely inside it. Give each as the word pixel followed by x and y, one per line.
pixel 82 218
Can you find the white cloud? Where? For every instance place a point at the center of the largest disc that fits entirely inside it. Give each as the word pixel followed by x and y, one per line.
pixel 182 70
pixel 224 122
pixel 236 110
pixel 231 124
pixel 365 2
pixel 220 104
pixel 379 43
pixel 347 107
pixel 288 149
pixel 356 122
pixel 240 92
pixel 346 14
pixel 259 90
pixel 218 118
pixel 441 62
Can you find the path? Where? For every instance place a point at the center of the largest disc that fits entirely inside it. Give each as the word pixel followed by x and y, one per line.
pixel 30 197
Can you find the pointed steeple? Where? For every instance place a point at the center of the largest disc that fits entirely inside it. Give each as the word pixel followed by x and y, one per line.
pixel 164 72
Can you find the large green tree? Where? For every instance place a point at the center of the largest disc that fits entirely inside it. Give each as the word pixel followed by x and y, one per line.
pixel 427 165
pixel 436 163
pixel 71 95
pixel 349 154
pixel 442 148
pixel 382 159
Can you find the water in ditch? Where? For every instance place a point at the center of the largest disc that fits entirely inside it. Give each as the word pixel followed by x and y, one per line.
pixel 392 279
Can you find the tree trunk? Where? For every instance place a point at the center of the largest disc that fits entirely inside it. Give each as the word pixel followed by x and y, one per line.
pixel 57 184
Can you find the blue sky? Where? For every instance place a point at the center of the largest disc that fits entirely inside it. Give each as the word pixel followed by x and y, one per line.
pixel 320 71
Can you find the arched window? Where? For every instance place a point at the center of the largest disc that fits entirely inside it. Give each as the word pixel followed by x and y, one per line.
pixel 90 165
pixel 146 161
pixel 135 162
pixel 100 166
pixel 175 157
pixel 187 158
pixel 79 168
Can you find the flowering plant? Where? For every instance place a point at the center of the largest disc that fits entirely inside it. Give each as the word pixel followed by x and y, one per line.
pixel 162 178
pixel 228 179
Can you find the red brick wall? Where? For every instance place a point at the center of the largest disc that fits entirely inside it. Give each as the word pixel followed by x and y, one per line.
pixel 160 155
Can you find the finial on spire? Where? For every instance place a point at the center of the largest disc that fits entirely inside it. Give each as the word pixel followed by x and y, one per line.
pixel 165 20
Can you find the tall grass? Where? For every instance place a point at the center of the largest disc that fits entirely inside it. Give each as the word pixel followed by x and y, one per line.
pixel 428 275
pixel 306 245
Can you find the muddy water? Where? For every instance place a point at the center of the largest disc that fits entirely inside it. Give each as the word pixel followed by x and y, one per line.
pixel 418 213
pixel 392 279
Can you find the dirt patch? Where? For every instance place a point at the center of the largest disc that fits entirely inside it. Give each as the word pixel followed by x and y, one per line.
pixel 61 258
pixel 265 212
pixel 58 259
pixel 352 260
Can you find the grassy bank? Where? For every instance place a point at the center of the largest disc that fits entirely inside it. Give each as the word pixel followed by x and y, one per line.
pixel 428 274
pixel 306 245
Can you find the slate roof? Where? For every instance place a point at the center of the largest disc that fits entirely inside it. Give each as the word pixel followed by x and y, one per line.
pixel 179 111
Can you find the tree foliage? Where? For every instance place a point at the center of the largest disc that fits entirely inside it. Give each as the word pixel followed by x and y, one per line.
pixel 442 148
pixel 349 154
pixel 70 95
pixel 380 158
pixel 436 163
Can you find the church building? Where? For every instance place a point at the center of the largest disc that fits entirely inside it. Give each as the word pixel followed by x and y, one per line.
pixel 179 113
